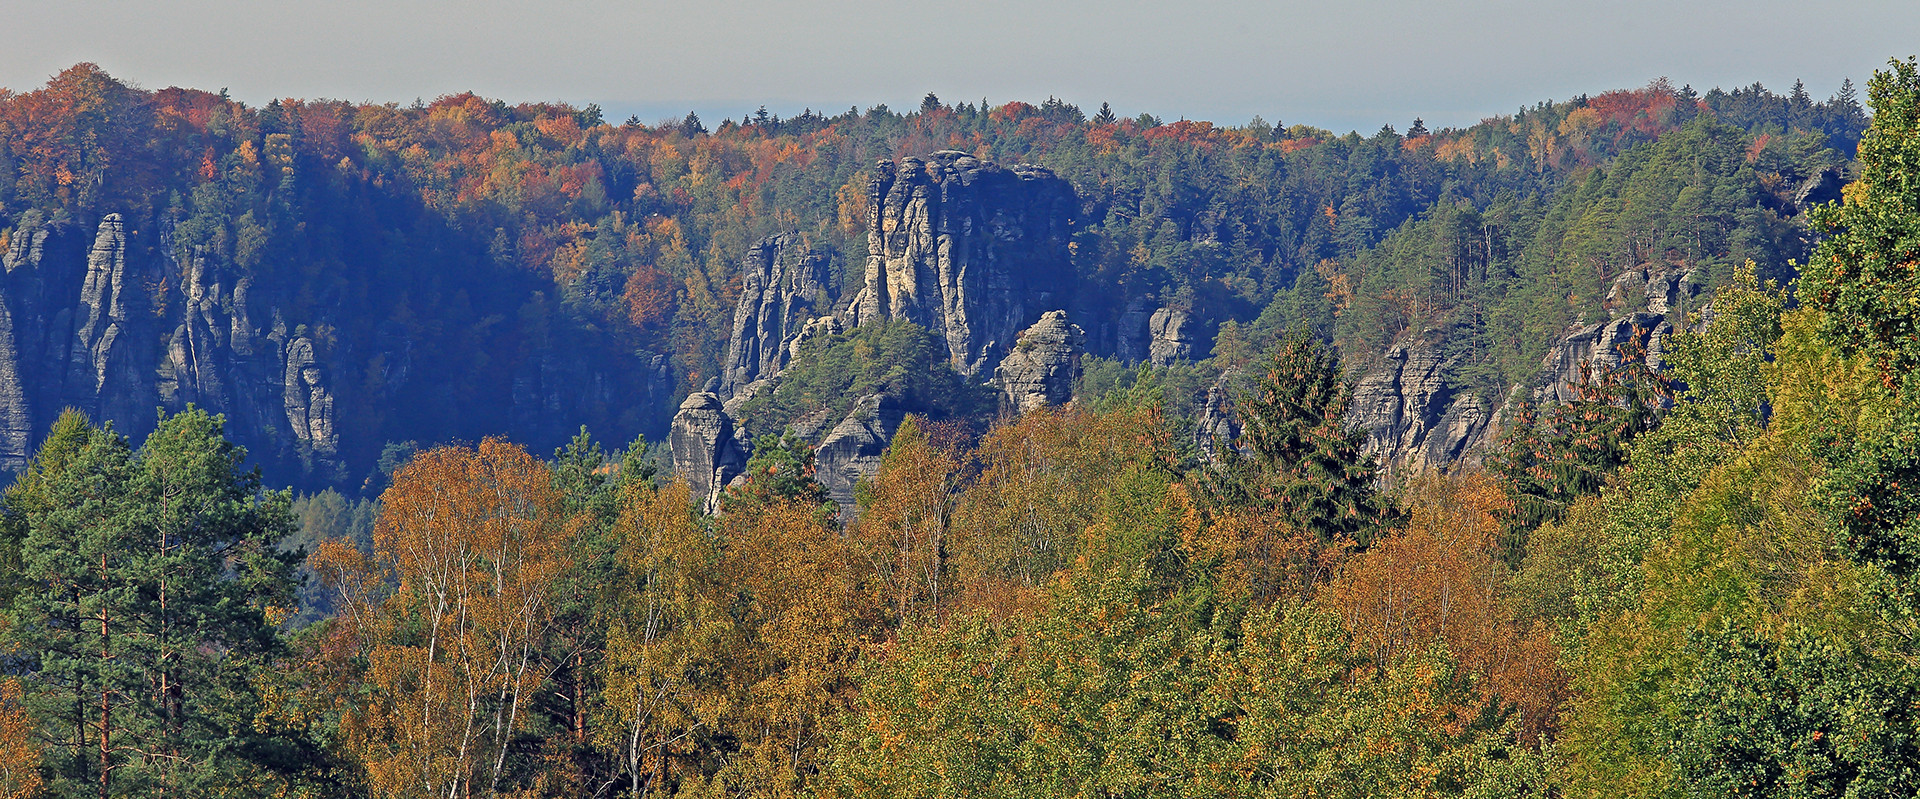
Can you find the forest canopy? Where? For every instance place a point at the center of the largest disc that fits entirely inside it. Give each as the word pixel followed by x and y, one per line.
pixel 1700 579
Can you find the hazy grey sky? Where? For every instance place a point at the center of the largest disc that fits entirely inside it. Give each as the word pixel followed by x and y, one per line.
pixel 1353 64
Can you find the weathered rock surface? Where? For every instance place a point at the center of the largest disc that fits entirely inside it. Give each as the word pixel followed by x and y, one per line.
pixel 118 316
pixel 704 449
pixel 973 251
pixel 851 451
pixel 1043 366
pixel 785 287
pixel 1171 336
pixel 1822 188
pixel 1415 418
pixel 1216 428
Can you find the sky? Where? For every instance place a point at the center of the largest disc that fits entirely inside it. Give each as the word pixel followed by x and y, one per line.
pixel 1354 65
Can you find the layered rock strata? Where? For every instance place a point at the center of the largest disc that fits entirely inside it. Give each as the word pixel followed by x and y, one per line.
pixel 704 448
pixel 785 289
pixel 973 251
pixel 1415 418
pixel 1043 366
pixel 119 316
pixel 851 451
pixel 1171 336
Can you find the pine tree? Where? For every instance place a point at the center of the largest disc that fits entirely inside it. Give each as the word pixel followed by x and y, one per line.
pixel 1296 453
pixel 1105 117
pixel 153 581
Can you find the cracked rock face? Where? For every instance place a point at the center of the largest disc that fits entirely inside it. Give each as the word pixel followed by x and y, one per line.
pixel 972 251
pixel 784 289
pixel 851 451
pixel 1043 366
pixel 1215 428
pixel 1415 419
pixel 705 449
pixel 1170 337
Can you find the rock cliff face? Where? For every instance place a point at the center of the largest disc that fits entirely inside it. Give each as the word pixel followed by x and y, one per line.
pixel 1416 418
pixel 1643 306
pixel 1043 366
pixel 1216 427
pixel 117 317
pixel 704 448
pixel 972 251
pixel 785 288
pixel 131 323
pixel 1171 336
pixel 851 451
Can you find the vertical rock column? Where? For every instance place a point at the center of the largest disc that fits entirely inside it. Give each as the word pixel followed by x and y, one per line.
pixel 969 250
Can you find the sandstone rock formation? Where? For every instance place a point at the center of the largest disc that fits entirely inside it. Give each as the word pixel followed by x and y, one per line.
pixel 119 315
pixel 1415 417
pixel 1643 304
pixel 1043 366
pixel 1216 428
pixel 1171 336
pixel 851 451
pixel 973 251
pixel 785 288
pixel 704 449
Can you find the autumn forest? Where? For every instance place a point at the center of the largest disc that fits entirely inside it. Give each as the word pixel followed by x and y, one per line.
pixel 466 449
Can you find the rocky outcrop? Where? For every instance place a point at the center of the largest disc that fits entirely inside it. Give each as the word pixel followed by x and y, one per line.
pixel 1414 416
pixel 118 315
pixel 785 288
pixel 1216 428
pixel 1643 305
pixel 1043 366
pixel 1417 418
pixel 1171 336
pixel 1822 188
pixel 851 451
pixel 101 373
pixel 309 404
pixel 704 448
pixel 973 251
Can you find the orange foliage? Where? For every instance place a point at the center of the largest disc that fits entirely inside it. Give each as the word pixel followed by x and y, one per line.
pixel 1439 581
pixel 649 298
pixel 471 543
pixel 1264 556
pixel 1185 131
pixel 19 746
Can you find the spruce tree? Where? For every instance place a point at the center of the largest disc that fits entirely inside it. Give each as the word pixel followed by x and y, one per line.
pixel 1296 453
